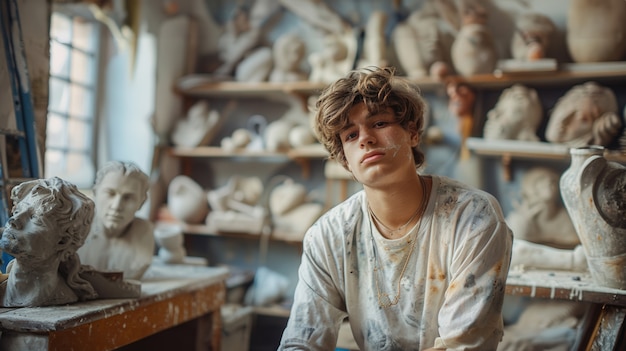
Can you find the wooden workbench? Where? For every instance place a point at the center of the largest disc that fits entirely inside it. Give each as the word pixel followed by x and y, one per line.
pixel 171 296
pixel 602 328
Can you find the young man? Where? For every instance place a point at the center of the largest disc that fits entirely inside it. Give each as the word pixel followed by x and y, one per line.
pixel 414 262
pixel 119 241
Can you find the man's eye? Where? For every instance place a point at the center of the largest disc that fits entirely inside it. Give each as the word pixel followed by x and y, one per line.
pixel 380 124
pixel 349 136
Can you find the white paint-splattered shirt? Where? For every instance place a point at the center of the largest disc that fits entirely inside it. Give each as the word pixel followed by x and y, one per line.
pixel 451 293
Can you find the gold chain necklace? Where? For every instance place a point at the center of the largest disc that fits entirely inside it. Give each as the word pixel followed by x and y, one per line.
pixel 390 231
pixel 380 295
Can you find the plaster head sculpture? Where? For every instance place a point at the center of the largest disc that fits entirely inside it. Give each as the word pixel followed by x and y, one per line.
pixel 540 215
pixel 532 37
pixel 288 54
pixel 586 115
pixel 120 241
pixel 50 221
pixel 516 116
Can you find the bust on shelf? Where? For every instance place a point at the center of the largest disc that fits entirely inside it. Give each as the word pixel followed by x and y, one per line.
pixel 516 116
pixel 586 115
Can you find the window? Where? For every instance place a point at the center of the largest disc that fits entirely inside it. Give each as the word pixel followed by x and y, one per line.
pixel 70 129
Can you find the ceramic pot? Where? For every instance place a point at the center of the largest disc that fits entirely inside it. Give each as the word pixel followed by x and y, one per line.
pixel 596 31
pixel 594 193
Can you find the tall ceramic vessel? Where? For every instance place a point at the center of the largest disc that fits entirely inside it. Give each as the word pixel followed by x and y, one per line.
pixel 594 193
pixel 596 31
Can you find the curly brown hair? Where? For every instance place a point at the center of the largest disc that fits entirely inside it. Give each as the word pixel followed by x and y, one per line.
pixel 380 89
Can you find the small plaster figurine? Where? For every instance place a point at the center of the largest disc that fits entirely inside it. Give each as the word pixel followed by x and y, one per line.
pixel 50 221
pixel 198 128
pixel 516 116
pixel 119 241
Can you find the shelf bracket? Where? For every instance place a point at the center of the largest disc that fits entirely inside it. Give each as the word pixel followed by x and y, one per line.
pixel 506 167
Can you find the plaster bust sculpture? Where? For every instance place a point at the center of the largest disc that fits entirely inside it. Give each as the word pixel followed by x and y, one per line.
pixel 288 53
pixel 50 221
pixel 119 241
pixel 586 115
pixel 540 216
pixel 532 37
pixel 516 116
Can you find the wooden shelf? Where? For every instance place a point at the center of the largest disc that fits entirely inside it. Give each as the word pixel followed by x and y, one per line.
pixel 305 152
pixel 203 85
pixel 200 229
pixel 511 149
pixel 531 150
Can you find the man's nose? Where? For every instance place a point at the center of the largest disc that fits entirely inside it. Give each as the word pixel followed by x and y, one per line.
pixel 116 202
pixel 366 137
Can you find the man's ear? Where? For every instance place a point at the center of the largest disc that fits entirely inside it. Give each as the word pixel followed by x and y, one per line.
pixel 414 135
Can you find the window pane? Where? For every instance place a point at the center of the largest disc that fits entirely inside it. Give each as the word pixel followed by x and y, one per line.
pixel 84 35
pixel 59 63
pixel 82 68
pixel 80 170
pixel 81 101
pixel 55 163
pixel 61 28
pixel 80 130
pixel 57 131
pixel 59 94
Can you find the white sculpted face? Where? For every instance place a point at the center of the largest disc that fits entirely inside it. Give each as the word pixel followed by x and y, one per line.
pixel 28 234
pixel 118 197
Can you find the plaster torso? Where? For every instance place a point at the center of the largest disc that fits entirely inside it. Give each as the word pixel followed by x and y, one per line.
pixel 131 252
pixel 338 265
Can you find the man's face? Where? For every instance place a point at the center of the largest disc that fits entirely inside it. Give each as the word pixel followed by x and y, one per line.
pixel 29 236
pixel 377 148
pixel 118 197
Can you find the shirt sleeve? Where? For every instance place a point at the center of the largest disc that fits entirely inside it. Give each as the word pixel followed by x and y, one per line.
pixel 471 315
pixel 318 308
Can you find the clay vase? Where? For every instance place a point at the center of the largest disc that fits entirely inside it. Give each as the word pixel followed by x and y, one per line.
pixel 594 194
pixel 596 31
